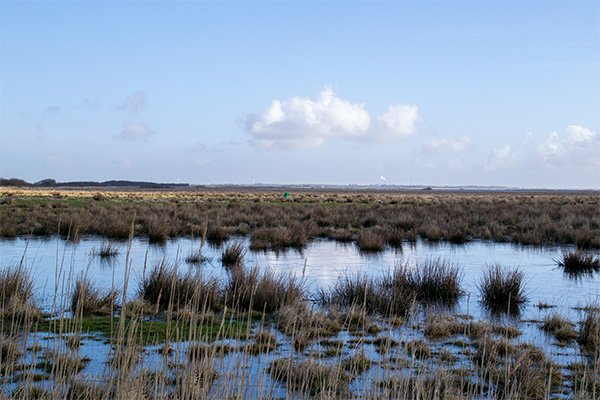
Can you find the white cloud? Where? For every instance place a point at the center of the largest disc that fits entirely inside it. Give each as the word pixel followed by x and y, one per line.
pixel 301 123
pixel 446 146
pixel 501 158
pixel 134 132
pixel 134 102
pixel 577 148
pixel 397 123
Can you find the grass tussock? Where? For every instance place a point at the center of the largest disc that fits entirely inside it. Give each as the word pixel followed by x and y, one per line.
pixel 87 299
pixel 369 240
pixel 233 254
pixel 106 250
pixel 577 261
pixel 589 332
pixel 17 293
pixel 502 289
pixel 261 290
pixel 310 377
pixel 168 288
pixel 562 329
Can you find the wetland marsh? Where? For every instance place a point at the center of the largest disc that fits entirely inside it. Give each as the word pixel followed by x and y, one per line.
pixel 306 310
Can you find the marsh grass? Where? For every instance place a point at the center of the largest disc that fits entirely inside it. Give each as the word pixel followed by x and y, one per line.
pixel 369 240
pixel 169 288
pixel 17 292
pixel 233 254
pixel 577 261
pixel 589 332
pixel 107 250
pixel 216 340
pixel 502 289
pixel 527 218
pixel 87 299
pixel 562 329
pixel 261 290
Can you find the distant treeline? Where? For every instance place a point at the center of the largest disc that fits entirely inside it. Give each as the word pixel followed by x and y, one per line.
pixel 53 183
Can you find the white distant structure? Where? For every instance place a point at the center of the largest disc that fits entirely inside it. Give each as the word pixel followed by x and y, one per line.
pixel 382 180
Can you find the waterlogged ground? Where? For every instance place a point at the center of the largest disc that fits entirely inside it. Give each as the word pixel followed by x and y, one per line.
pixel 319 264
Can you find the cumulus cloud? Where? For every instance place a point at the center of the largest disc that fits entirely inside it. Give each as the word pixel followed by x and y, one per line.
pixel 134 102
pixel 446 146
pixel 577 148
pixel 135 132
pixel 302 123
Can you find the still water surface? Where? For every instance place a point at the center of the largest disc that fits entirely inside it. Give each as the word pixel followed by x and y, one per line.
pixel 321 262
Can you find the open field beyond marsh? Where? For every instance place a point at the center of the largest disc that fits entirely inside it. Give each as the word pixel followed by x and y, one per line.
pixel 373 220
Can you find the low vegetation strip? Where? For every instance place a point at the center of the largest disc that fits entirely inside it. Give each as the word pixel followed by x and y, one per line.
pixel 373 220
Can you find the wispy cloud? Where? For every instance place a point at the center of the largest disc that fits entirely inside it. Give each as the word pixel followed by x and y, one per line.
pixel 446 146
pixel 133 103
pixel 577 148
pixel 135 132
pixel 300 123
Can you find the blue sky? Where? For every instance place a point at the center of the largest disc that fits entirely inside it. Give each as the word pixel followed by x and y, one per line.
pixel 437 93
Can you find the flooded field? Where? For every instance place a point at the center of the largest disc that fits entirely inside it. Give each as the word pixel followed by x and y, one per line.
pixel 257 363
pixel 319 265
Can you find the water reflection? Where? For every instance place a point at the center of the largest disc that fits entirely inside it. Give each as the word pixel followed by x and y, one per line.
pixel 322 262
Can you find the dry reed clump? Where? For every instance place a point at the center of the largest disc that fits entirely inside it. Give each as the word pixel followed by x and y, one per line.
pixel 577 261
pixel 195 380
pixel 253 289
pixel 17 293
pixel 562 329
pixel 60 364
pixel 357 363
pixel 502 289
pixel 168 288
pixel 300 321
pixel 87 299
pixel 233 254
pixel 441 325
pixel 264 342
pixel 589 332
pixel 437 385
pixel 370 240
pixel 350 290
pixel 417 349
pixel 438 282
pixel 10 353
pixel 525 373
pixel 584 378
pixel 310 377
pixel 107 250
pixel 30 391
